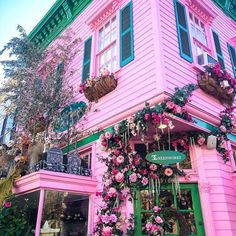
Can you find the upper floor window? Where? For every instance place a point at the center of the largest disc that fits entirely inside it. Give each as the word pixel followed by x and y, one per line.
pixel 228 6
pixel 107 46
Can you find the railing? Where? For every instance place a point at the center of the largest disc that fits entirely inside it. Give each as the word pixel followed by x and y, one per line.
pixel 62 168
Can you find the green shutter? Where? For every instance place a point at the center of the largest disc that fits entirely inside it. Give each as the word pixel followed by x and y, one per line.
pixel 232 54
pixel 218 50
pixel 87 59
pixel 183 32
pixel 126 35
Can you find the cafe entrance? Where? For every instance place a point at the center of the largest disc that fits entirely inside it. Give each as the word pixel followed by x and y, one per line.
pixel 187 203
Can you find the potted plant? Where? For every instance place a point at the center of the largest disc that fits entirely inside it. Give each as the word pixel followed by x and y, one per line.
pixel 97 87
pixel 218 83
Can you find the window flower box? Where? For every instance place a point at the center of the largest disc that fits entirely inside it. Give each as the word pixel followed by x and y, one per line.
pixel 97 87
pixel 218 83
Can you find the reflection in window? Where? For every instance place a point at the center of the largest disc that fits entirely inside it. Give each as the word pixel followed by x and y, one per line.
pixel 144 217
pixel 185 200
pixel 29 203
pixel 147 200
pixel 64 214
pixel 166 198
pixel 189 216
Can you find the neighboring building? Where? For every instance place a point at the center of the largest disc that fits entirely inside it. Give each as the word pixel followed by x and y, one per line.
pixel 153 46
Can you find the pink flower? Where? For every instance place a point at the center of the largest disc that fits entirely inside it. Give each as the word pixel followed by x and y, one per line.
pixel 114 171
pixel 112 192
pixel 105 219
pixel 230 91
pixel 104 205
pixel 153 167
pixel 170 105
pixel 120 159
pixel 116 152
pixel 131 119
pixel 159 220
pixel 7 204
pixel 144 181
pixel 113 218
pixel 107 231
pixel 108 135
pixel 168 172
pixel 136 161
pixel 155 229
pixel 223 129
pixel 156 209
pixel 148 226
pixel 146 116
pixel 125 191
pixel 133 178
pixel 201 140
pixel 119 177
pixel 177 109
pixel 116 127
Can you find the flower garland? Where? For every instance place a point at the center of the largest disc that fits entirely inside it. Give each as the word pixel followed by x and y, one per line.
pixel 127 170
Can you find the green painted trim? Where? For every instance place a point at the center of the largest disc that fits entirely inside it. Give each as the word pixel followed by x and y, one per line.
pixel 204 124
pixel 87 43
pixel 85 141
pixel 225 8
pixel 231 57
pixel 188 58
pixel 47 24
pixel 219 53
pixel 130 29
pixel 195 201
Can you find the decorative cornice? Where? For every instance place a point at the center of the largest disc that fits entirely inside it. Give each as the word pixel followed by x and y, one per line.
pixel 109 8
pixel 201 9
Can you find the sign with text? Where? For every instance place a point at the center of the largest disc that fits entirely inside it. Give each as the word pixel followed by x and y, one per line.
pixel 165 157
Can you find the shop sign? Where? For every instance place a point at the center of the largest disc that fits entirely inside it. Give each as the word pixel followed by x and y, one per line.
pixel 165 157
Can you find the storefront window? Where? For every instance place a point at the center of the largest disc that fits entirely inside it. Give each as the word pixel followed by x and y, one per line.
pixel 29 204
pixel 64 214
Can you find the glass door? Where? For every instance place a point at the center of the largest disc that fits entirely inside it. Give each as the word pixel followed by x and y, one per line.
pixel 187 203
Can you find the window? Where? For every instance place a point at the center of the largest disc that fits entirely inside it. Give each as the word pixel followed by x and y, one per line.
pixel 86 157
pixel 107 46
pixel 199 36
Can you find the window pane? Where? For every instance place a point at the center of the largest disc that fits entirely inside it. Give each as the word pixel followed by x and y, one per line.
pixel 64 214
pixel 181 15
pixel 166 199
pixel 191 223
pixel 185 200
pixel 147 200
pixel 185 42
pixel 29 204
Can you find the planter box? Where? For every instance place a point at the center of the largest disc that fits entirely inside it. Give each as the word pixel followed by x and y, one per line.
pixel 100 87
pixel 211 87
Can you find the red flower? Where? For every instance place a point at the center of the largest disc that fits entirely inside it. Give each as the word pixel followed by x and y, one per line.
pixel 146 117
pixel 7 204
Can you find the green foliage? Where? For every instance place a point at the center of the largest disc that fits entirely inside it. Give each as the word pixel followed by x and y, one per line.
pixel 13 220
pixel 35 86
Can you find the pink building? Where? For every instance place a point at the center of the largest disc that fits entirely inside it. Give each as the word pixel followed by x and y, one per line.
pixel 152 46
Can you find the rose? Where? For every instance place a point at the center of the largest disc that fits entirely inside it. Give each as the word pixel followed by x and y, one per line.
pixel 155 229
pixel 119 177
pixel 170 105
pixel 114 171
pixel 136 161
pixel 177 109
pixel 105 219
pixel 201 140
pixel 156 209
pixel 144 181
pixel 133 178
pixel 108 135
pixel 113 218
pixel 120 159
pixel 146 116
pixel 168 172
pixel 148 226
pixel 125 191
pixel 131 119
pixel 107 231
pixel 159 220
pixel 116 152
pixel 153 167
pixel 230 91
pixel 223 129
pixel 7 204
pixel 112 192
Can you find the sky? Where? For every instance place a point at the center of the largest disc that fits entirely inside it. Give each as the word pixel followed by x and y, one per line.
pixel 26 13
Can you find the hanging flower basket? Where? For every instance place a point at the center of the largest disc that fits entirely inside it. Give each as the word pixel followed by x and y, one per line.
pixel 98 87
pixel 218 83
